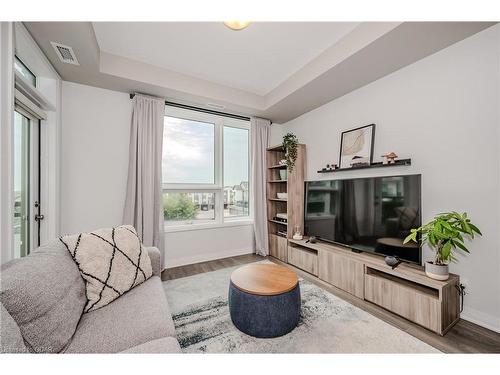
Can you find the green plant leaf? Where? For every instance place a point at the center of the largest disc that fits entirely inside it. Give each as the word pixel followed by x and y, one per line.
pixel 475 229
pixel 446 251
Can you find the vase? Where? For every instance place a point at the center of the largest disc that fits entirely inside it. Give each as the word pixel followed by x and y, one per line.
pixel 437 271
pixel 283 174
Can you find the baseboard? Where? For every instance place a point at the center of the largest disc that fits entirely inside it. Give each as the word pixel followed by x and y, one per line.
pixel 481 319
pixel 207 257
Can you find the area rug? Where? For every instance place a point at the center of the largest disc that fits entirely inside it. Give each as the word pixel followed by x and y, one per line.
pixel 327 324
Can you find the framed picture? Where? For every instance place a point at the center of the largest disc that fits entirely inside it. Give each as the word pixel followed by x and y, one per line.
pixel 356 146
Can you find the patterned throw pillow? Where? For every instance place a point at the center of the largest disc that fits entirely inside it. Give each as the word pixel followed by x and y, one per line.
pixel 111 261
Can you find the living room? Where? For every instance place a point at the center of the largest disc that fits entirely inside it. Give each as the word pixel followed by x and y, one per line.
pixel 251 187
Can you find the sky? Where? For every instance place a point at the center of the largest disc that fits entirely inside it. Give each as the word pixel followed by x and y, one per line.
pixel 188 153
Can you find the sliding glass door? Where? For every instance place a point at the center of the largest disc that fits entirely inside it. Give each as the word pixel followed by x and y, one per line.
pixel 26 188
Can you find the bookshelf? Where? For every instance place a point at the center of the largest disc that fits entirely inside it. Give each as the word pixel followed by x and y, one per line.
pixel 293 206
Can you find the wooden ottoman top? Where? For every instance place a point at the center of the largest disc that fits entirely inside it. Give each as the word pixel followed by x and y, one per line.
pixel 264 279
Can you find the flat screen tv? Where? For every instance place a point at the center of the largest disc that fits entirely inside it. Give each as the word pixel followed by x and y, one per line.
pixel 366 214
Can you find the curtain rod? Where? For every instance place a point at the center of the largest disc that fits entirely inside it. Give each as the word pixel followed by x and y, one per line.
pixel 204 110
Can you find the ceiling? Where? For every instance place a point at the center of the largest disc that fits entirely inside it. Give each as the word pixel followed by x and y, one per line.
pixel 274 70
pixel 256 59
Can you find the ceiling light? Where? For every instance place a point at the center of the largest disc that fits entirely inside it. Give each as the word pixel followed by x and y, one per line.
pixel 236 25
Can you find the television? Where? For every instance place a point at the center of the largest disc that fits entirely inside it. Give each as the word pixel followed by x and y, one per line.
pixel 366 214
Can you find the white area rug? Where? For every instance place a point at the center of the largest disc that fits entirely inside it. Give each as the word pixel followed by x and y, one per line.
pixel 328 324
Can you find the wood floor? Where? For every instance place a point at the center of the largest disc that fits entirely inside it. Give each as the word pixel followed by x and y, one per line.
pixel 214 265
pixel 464 337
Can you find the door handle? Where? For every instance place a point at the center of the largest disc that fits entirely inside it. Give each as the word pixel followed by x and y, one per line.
pixel 39 217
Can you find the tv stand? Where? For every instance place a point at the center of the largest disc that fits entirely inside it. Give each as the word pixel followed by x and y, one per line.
pixel 405 290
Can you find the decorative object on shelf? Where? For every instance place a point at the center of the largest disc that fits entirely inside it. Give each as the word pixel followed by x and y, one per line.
pixel 282 215
pixel 444 234
pixel 283 174
pixel 282 195
pixel 359 161
pixel 290 143
pixel 296 234
pixel 281 233
pixel 389 158
pixel 399 162
pixel 357 143
pixel 280 219
pixel 330 167
pixel 312 239
pixel 282 162
pixel 392 262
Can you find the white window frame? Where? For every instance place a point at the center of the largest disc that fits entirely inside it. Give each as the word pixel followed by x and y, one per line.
pixel 218 186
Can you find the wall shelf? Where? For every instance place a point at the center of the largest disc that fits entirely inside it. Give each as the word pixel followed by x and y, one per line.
pixel 277 222
pixel 279 166
pixel 276 181
pixel 277 200
pixel 278 148
pixel 400 162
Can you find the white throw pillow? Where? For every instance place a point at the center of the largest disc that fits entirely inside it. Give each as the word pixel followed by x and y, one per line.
pixel 111 260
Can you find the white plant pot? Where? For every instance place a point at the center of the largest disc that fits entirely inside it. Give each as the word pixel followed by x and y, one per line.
pixel 437 272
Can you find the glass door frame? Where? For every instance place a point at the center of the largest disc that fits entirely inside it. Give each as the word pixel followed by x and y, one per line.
pixel 33 173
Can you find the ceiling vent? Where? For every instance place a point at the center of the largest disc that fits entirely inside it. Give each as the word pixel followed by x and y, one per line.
pixel 65 53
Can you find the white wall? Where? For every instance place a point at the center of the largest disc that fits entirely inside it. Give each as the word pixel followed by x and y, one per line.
pixel 95 141
pixel 276 134
pixel 190 247
pixel 94 157
pixel 443 112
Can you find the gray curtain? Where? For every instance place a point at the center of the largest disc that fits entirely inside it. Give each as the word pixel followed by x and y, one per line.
pixel 259 134
pixel 143 203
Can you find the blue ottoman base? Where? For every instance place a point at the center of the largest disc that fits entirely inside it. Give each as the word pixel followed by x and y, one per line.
pixel 264 316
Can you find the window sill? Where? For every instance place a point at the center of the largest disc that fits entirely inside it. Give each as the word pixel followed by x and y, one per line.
pixel 204 226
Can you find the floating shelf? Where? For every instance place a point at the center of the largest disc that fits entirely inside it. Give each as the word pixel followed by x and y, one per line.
pixel 276 181
pixel 279 148
pixel 401 162
pixel 277 200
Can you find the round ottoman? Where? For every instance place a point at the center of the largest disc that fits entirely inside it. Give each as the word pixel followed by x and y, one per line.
pixel 264 300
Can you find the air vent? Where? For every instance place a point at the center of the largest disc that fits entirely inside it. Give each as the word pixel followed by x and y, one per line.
pixel 65 53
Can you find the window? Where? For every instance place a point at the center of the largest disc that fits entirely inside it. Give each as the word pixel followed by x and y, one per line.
pixel 20 67
pixel 236 191
pixel 205 169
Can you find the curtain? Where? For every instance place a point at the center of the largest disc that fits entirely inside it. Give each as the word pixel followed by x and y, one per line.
pixel 7 47
pixel 259 134
pixel 143 202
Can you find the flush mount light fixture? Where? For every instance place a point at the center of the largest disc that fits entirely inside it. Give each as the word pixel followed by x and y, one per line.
pixel 236 25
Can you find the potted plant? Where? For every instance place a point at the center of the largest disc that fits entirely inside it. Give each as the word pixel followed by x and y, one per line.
pixel 290 143
pixel 445 233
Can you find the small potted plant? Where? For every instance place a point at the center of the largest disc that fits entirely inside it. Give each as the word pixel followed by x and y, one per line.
pixel 290 143
pixel 445 233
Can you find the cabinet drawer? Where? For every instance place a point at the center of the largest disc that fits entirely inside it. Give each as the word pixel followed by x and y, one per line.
pixel 304 259
pixel 341 271
pixel 277 247
pixel 412 303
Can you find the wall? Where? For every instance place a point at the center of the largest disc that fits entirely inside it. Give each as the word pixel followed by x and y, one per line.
pixel 443 112
pixel 95 141
pixel 276 134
